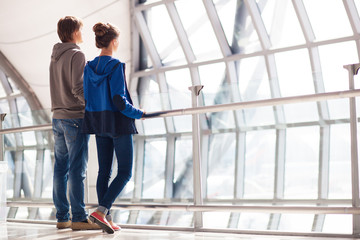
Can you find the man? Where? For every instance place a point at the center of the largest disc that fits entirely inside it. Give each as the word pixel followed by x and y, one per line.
pixel 71 145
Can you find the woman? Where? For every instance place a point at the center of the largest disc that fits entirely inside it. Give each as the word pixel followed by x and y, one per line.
pixel 110 115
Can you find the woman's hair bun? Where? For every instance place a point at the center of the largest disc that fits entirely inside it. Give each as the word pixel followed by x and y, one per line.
pixel 100 29
pixel 104 34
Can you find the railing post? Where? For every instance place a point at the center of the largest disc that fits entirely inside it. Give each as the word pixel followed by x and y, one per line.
pixel 3 170
pixel 198 198
pixel 353 70
pixel 2 118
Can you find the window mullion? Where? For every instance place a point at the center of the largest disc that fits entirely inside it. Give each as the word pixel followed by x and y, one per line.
pixel 353 15
pixel 180 32
pixel 147 39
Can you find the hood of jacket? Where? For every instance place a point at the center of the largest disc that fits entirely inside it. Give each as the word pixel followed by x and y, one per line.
pixel 94 77
pixel 60 48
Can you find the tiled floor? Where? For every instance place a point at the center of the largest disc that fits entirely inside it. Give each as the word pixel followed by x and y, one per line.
pixel 20 231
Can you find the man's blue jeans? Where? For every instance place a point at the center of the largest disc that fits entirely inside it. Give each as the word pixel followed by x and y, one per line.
pixel 123 146
pixel 71 156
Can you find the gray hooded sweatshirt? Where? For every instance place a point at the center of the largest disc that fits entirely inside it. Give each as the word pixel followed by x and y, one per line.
pixel 66 81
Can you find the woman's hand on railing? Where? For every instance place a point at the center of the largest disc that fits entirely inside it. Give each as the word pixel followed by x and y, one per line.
pixel 144 114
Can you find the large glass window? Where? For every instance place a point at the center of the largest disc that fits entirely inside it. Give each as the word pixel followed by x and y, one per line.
pixel 325 25
pixel 198 28
pixel 169 48
pixel 302 153
pixel 260 165
pixel 340 162
pixel 178 82
pixel 244 51
pixel 281 23
pixel 220 179
pixel 241 51
pixel 28 154
pixel 154 169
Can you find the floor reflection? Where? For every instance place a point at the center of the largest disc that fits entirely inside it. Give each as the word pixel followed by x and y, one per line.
pixel 20 231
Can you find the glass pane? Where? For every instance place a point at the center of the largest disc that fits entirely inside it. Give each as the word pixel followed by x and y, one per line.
pixel 325 25
pixel 213 78
pixel 4 108
pixel 294 79
pixel 178 82
pixel 281 23
pixel 120 216
pixel 336 223
pixel 164 35
pixel 183 172
pixel 226 10
pixel 154 169
pixel 239 29
pixel 301 112
pixel 260 164
pixel 254 85
pixel 145 217
pixel 180 219
pixel 340 162
pixel 217 91
pixel 9 157
pixel 29 138
pixel 216 219
pixel 357 4
pixel 221 120
pixel 261 116
pixel 339 108
pixel 253 221
pixel 13 86
pixel 198 28
pixel 164 218
pixel 296 222
pixel 28 173
pixel 24 112
pixel 48 175
pixel 333 57
pixel 2 90
pixel 45 214
pixel 151 102
pixel 145 61
pixel 253 79
pixel 221 164
pixel 302 160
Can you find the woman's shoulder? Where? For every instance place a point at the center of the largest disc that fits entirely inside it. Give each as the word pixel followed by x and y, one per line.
pixel 114 63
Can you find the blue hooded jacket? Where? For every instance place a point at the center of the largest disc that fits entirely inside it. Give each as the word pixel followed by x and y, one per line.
pixel 108 106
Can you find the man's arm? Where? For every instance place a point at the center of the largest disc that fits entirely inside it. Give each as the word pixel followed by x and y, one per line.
pixel 77 75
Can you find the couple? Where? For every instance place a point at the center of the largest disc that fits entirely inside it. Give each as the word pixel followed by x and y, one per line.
pixel 89 98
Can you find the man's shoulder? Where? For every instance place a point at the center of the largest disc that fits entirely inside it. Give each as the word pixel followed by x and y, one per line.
pixel 77 54
pixel 77 51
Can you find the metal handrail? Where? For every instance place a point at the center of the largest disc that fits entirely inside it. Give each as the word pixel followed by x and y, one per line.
pixel 206 208
pixel 255 104
pixel 220 107
pixel 216 108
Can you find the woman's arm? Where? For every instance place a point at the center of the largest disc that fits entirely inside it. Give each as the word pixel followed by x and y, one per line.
pixel 118 94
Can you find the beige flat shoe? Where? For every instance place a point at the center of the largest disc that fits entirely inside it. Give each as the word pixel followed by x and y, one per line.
pixel 63 225
pixel 84 226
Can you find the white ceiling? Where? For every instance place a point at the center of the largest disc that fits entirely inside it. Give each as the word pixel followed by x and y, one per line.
pixel 28 33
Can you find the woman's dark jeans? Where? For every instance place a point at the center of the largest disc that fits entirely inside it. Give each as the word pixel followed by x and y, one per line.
pixel 123 146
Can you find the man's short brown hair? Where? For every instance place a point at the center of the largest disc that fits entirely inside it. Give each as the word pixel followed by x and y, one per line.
pixel 67 26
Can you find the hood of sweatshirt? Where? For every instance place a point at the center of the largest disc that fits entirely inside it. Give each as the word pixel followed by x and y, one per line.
pixel 96 78
pixel 60 48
